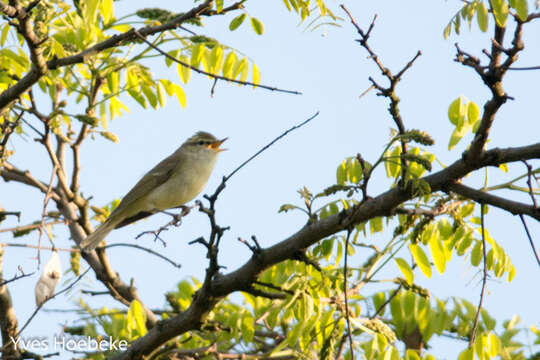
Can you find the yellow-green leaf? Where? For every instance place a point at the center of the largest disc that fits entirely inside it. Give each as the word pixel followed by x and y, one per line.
pixel 421 259
pixel 181 95
pixel 482 16
pixel 473 113
pixel 476 254
pixel 437 252
pixel 405 270
pixel 219 6
pixel 237 21
pixel 500 11
pixel 197 54
pixel 256 75
pixel 456 112
pixel 109 136
pixel 184 72
pixel 5 32
pixel 522 9
pixel 257 26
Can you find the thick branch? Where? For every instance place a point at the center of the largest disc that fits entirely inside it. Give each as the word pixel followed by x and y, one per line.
pixel 382 205
pixel 34 74
pixel 479 196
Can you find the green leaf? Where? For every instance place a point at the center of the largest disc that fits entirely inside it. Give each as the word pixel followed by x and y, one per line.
pixel 457 135
pixel 482 16
pixel 421 259
pixel 109 136
pixel 405 270
pixel 161 95
pixel 5 32
pixel 473 113
pixel 457 111
pixel 467 354
pixel 152 99
pixel 257 26
pixel 219 6
pixel 237 21
pixel 248 330
pixel 476 254
pixel 376 225
pixel 522 9
pixel 437 252
pixel 500 11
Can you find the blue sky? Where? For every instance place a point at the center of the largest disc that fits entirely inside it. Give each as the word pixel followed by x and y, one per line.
pixel 331 70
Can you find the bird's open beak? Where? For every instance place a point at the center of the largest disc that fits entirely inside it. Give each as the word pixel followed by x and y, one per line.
pixel 216 145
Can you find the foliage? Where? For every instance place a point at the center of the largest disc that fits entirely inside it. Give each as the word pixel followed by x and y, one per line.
pixel 308 305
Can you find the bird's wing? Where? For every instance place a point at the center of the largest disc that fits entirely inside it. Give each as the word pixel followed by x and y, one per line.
pixel 154 178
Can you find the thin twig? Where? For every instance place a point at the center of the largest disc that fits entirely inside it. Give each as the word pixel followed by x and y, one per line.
pixel 15 278
pixel 150 251
pixel 345 291
pixel 215 76
pixel 30 226
pixel 44 214
pixel 30 246
pixel 530 238
pixel 529 183
pixel 270 144
pixel 484 279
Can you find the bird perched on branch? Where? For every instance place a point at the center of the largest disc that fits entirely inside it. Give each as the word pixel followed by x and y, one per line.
pixel 171 183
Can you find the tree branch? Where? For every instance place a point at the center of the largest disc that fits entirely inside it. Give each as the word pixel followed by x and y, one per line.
pixel 13 92
pixel 384 204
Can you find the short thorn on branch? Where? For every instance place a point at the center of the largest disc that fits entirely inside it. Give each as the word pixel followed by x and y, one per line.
pixel 255 249
pixel 176 221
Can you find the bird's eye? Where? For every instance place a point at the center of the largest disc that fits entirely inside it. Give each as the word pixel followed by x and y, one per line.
pixel 201 142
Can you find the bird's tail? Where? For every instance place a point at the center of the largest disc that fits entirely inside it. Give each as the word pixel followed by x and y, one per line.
pixel 93 240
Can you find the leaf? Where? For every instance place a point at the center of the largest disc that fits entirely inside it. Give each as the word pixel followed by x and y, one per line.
pixel 5 32
pixel 457 135
pixel 500 11
pixel 230 60
pixel 437 252
pixel 482 16
pixel 197 54
pixel 152 98
pixel 522 9
pixel 256 75
pixel 184 72
pixel 456 112
pixel 248 330
pixel 421 259
pixel 161 95
pixel 109 136
pixel 181 95
pixel 257 26
pixel 376 225
pixel 476 254
pixel 287 207
pixel 473 113
pixel 237 21
pixel 136 320
pixel 405 270
pixel 219 6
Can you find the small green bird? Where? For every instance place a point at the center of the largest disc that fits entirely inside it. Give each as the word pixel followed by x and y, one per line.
pixel 171 183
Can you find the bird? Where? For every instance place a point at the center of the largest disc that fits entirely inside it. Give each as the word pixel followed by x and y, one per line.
pixel 172 183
